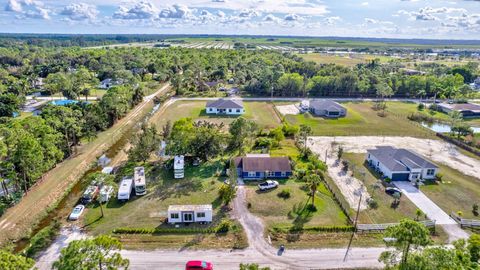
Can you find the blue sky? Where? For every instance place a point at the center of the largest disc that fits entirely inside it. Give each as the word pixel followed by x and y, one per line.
pixel 448 19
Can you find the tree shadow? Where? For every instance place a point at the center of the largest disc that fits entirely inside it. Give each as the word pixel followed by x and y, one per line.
pixel 300 214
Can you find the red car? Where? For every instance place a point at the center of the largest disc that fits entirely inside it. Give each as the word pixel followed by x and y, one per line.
pixel 199 265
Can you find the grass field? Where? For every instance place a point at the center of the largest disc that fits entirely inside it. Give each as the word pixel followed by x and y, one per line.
pixel 384 213
pixel 361 119
pixel 458 192
pixel 261 112
pixel 342 60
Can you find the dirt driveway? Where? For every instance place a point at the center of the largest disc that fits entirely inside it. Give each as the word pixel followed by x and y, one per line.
pixel 288 109
pixel 435 150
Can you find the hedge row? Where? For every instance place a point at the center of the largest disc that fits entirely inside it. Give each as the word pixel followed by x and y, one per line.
pixel 333 228
pixel 163 230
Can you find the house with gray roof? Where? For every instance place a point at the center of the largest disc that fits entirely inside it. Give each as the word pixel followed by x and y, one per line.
pixel 468 110
pixel 225 106
pixel 401 164
pixel 256 167
pixel 327 108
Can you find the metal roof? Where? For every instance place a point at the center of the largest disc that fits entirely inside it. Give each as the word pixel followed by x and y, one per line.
pixel 190 207
pixel 399 159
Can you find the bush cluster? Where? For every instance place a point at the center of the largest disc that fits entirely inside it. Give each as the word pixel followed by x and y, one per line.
pixel 224 226
pixel 332 228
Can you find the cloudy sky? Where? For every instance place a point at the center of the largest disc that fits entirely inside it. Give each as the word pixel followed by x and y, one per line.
pixel 452 19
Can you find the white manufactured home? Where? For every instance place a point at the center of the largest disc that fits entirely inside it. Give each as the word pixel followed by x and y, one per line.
pixel 401 164
pixel 179 167
pixel 190 213
pixel 139 181
pixel 225 106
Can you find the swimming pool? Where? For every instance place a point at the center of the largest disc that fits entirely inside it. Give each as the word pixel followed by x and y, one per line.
pixel 63 102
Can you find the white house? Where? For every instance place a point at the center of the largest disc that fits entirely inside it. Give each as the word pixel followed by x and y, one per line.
pixel 225 106
pixel 190 213
pixel 401 164
pixel 178 167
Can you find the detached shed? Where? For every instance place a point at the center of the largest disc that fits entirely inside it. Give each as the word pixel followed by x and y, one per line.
pixel 190 213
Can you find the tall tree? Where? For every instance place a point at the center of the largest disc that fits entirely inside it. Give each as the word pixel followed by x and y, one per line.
pixel 304 133
pixel 313 180
pixel 144 143
pixel 101 252
pixel 9 261
pixel 240 130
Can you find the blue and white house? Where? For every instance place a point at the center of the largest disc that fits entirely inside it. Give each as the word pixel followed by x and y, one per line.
pixel 225 106
pixel 262 166
pixel 401 164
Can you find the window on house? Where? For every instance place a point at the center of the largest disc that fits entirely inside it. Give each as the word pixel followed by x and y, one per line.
pixel 283 174
pixel 174 215
pixel 251 174
pixel 238 110
pixel 229 110
pixel 368 155
pixel 378 163
pixel 430 171
pixel 210 109
pixel 201 215
pixel 271 174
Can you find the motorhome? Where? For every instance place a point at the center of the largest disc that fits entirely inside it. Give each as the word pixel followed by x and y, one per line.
pixel 125 189
pixel 178 167
pixel 139 181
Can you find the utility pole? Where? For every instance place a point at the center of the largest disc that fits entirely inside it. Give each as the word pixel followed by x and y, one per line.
pixel 354 226
pixel 272 94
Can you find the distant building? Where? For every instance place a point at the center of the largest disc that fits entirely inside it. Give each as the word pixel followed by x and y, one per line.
pixel 190 213
pixel 412 72
pixel 107 83
pixel 476 84
pixel 225 106
pixel 468 110
pixel 179 167
pixel 326 108
pixel 401 164
pixel 254 167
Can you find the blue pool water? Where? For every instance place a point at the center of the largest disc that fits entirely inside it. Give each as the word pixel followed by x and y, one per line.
pixel 63 102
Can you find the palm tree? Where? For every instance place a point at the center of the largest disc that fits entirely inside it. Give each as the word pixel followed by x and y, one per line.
pixel 313 180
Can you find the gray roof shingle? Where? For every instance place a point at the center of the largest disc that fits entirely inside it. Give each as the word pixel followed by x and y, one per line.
pixel 325 104
pixel 262 164
pixel 226 104
pixel 399 159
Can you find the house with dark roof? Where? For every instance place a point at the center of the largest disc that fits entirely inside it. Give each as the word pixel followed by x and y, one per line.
pixel 400 164
pixel 326 108
pixel 468 110
pixel 225 106
pixel 261 166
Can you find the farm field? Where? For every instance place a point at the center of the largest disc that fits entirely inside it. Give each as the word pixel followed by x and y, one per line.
pixel 343 60
pixel 261 112
pixel 361 119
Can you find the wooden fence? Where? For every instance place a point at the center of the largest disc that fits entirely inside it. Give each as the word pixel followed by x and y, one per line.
pixel 382 227
pixel 466 223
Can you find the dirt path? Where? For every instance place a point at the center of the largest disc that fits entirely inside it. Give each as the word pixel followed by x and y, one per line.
pixel 48 191
pixel 435 150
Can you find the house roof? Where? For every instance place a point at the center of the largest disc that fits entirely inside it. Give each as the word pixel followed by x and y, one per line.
pixel 226 104
pixel 461 106
pixel 324 104
pixel 262 164
pixel 399 159
pixel 190 207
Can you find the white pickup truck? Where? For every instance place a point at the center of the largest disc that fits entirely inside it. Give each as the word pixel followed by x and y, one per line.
pixel 269 184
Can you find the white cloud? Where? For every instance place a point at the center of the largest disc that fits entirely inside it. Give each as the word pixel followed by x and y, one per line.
pixel 429 13
pixel 140 11
pixel 271 18
pixel 14 5
pixel 249 13
pixel 364 4
pixel 332 20
pixel 292 17
pixel 176 12
pixel 28 9
pixel 80 11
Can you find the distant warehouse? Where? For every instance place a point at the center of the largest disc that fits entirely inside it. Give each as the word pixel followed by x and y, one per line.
pixel 468 110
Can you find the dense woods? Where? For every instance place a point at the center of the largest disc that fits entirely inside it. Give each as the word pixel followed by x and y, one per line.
pixel 32 145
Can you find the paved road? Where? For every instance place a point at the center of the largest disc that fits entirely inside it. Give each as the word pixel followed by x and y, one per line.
pixel 432 211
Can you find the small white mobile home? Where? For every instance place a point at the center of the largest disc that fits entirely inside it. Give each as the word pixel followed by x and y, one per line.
pixel 178 167
pixel 190 213
pixel 125 189
pixel 139 181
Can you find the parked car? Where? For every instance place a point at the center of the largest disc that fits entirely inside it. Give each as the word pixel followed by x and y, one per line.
pixel 199 265
pixel 90 194
pixel 76 212
pixel 269 184
pixel 392 190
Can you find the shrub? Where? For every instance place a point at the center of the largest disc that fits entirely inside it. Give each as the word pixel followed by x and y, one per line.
pixel 264 142
pixel 311 208
pixel 421 106
pixel 42 239
pixel 224 226
pixel 331 228
pixel 249 205
pixel 475 209
pixel 284 194
pixel 388 180
pixel 277 134
pixel 439 177
pixel 373 204
pixel 459 213
pixel 289 130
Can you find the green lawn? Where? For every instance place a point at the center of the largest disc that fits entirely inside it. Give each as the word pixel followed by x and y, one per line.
pixel 343 60
pixel 458 192
pixel 261 112
pixel 361 119
pixel 384 213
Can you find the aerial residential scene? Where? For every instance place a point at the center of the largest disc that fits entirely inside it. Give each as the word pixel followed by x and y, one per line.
pixel 239 135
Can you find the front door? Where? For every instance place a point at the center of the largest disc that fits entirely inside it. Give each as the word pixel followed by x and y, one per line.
pixel 188 217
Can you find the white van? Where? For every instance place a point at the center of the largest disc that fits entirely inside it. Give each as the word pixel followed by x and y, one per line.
pixel 125 189
pixel 139 181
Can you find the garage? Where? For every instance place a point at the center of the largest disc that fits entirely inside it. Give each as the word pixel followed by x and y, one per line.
pixel 400 176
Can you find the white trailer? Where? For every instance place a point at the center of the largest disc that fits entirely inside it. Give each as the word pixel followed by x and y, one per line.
pixel 125 189
pixel 105 193
pixel 190 213
pixel 178 167
pixel 139 181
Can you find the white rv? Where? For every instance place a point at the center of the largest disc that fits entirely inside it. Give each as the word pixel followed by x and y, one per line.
pixel 190 213
pixel 178 167
pixel 139 181
pixel 125 189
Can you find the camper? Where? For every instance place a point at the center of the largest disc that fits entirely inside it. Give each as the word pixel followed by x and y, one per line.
pixel 139 181
pixel 178 167
pixel 125 189
pixel 105 193
pixel 190 213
